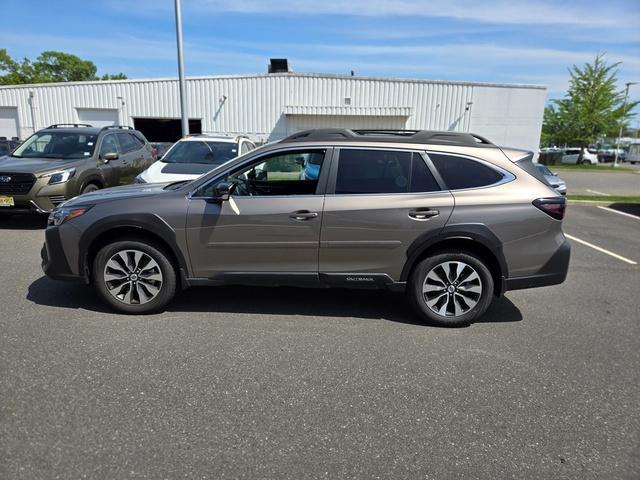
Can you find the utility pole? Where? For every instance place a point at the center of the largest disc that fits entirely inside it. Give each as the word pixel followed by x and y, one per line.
pixel 624 112
pixel 183 85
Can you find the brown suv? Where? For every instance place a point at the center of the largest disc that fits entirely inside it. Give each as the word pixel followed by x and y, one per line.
pixel 63 161
pixel 449 218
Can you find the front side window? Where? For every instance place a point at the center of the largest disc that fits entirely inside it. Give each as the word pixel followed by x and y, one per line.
pixel 460 172
pixel 383 171
pixel 109 145
pixel 57 145
pixel 213 153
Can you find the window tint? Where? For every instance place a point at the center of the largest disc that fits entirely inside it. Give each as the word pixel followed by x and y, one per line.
pixel 109 145
pixel 196 151
pixel 382 171
pixel 285 174
pixel 459 172
pixel 127 142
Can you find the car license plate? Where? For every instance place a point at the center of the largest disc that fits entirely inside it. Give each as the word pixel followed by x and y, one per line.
pixel 6 202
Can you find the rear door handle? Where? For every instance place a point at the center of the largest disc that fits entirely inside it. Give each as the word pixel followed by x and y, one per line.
pixel 302 215
pixel 423 213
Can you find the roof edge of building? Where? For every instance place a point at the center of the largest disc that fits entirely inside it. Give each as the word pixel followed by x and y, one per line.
pixel 286 74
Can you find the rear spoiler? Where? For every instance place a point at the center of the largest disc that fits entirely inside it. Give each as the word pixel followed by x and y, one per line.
pixel 524 159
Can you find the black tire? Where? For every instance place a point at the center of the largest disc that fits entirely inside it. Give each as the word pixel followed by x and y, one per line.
pixel 418 299
pixel 167 286
pixel 90 187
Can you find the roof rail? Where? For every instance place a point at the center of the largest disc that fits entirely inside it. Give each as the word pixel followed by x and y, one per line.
pixel 117 127
pixel 391 135
pixel 63 125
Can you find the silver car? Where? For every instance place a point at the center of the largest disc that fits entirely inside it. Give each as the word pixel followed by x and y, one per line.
pixel 553 179
pixel 448 218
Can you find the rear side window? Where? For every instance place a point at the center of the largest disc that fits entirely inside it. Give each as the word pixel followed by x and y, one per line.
pixel 382 171
pixel 460 172
pixel 128 142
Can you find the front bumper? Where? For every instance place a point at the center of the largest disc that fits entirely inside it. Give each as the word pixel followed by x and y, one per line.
pixel 552 273
pixel 54 260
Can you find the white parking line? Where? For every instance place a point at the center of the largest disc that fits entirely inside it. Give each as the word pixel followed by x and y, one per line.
pixel 600 249
pixel 618 212
pixel 598 193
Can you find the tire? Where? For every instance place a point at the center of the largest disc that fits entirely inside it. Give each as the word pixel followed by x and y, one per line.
pixel 147 287
pixel 452 312
pixel 90 187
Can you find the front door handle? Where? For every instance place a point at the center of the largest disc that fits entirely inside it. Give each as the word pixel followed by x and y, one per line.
pixel 423 213
pixel 302 215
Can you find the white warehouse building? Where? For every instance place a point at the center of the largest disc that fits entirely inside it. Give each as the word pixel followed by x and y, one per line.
pixel 271 106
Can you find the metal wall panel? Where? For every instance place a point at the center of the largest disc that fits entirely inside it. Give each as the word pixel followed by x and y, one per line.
pixel 259 105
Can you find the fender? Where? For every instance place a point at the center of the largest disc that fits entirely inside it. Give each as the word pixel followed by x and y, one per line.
pixel 476 232
pixel 145 222
pixel 91 177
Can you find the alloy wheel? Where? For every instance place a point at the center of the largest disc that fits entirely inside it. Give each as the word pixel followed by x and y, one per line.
pixel 452 289
pixel 132 277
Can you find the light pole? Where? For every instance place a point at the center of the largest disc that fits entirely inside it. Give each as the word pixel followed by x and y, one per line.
pixel 624 111
pixel 181 80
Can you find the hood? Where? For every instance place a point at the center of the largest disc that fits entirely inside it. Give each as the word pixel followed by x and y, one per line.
pixel 36 165
pixel 136 190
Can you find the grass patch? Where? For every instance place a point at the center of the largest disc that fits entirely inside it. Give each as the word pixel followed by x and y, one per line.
pixel 610 199
pixel 591 168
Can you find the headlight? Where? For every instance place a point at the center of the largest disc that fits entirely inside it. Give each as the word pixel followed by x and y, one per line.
pixel 139 179
pixel 63 214
pixel 60 176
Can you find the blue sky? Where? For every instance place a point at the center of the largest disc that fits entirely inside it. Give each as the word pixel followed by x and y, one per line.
pixel 516 41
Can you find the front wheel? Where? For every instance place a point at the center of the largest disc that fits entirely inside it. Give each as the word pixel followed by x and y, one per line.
pixel 451 289
pixel 134 277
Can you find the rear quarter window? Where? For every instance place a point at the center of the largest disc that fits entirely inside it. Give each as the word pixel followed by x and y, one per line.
pixel 460 172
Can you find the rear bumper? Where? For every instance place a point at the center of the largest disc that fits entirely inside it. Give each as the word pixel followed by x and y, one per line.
pixel 552 273
pixel 54 261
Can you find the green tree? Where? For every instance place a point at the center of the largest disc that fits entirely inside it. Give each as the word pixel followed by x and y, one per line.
pixel 50 66
pixel 591 108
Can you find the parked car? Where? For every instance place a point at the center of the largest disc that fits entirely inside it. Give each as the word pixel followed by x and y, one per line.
pixel 634 153
pixel 449 218
pixel 192 156
pixel 161 148
pixel 552 179
pixel 63 161
pixel 571 155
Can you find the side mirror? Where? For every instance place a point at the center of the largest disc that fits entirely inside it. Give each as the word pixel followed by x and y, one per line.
pixel 223 191
pixel 107 157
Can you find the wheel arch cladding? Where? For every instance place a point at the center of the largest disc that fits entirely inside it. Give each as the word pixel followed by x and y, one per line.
pixel 472 238
pixel 120 227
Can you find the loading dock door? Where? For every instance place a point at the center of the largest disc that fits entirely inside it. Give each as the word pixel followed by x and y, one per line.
pixel 165 129
pixel 9 122
pixel 98 117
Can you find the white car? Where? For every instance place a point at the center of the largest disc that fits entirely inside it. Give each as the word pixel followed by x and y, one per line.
pixel 194 155
pixel 571 155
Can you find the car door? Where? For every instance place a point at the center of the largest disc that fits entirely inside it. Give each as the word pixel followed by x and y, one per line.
pixel 378 202
pixel 269 229
pixel 110 168
pixel 131 156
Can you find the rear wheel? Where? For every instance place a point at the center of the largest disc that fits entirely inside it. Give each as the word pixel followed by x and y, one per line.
pixel 451 288
pixel 134 277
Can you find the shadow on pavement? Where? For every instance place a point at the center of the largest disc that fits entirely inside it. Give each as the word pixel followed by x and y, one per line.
pixel 22 222
pixel 630 208
pixel 266 301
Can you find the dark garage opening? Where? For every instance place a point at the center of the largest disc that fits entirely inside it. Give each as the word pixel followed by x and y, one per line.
pixel 165 129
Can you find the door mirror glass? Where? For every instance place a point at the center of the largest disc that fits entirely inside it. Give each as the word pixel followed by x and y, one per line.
pixel 110 156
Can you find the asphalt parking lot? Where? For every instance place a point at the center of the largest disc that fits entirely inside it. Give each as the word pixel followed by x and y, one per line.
pixel 626 182
pixel 288 383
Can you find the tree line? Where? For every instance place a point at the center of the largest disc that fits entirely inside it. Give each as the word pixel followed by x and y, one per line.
pixel 48 67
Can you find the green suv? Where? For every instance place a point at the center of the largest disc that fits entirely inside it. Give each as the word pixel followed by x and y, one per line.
pixel 64 161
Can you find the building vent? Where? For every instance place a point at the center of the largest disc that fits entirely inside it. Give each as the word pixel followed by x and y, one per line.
pixel 278 65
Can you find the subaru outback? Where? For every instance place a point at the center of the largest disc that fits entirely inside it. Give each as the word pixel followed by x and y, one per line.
pixel 448 218
pixel 63 161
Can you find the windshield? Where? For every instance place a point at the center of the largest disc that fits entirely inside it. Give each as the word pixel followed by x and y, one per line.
pixel 57 145
pixel 213 153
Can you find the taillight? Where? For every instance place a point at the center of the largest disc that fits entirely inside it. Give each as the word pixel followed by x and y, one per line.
pixel 553 206
pixel 154 153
